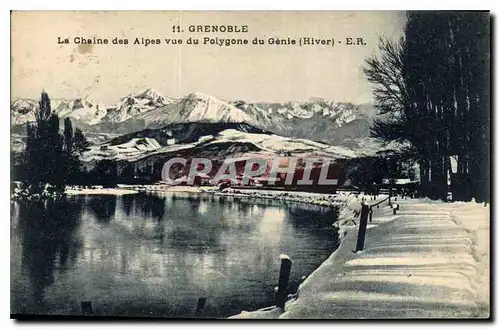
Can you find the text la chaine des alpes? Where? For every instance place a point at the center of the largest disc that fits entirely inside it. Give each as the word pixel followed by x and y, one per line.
pixel 105 41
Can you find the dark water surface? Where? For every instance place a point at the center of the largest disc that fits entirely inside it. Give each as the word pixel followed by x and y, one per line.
pixel 155 255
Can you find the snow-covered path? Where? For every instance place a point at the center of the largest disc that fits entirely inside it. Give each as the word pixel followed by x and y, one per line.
pixel 430 260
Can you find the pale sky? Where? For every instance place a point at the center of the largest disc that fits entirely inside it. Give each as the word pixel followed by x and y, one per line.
pixel 245 72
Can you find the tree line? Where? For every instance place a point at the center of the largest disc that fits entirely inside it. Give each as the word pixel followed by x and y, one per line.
pixel 431 88
pixel 51 158
pixel 368 173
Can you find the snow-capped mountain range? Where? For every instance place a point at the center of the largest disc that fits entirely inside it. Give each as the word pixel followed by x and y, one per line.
pixel 316 119
pixel 146 126
pixel 90 112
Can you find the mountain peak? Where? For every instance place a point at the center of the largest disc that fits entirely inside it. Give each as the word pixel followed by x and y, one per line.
pixel 149 93
pixel 200 95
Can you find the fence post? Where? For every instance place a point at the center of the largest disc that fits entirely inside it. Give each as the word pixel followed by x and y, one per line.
pixel 200 306
pixel 86 308
pixel 285 269
pixel 363 221
pixel 394 208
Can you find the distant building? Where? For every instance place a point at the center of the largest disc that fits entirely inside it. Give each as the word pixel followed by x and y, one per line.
pixel 400 185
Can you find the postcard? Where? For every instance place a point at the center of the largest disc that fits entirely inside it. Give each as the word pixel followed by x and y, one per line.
pixel 250 165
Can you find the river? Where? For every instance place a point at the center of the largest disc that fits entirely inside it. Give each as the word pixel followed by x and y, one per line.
pixel 155 255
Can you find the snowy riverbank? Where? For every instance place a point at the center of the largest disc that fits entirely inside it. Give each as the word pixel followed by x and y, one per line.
pixel 319 199
pixel 100 191
pixel 129 189
pixel 430 260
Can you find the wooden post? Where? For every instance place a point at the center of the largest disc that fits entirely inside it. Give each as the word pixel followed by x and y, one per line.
pixel 86 308
pixel 200 307
pixel 390 194
pixel 363 221
pixel 285 269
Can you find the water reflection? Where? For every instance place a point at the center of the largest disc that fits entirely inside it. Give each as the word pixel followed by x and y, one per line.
pixel 128 203
pixel 49 242
pixel 156 255
pixel 104 207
